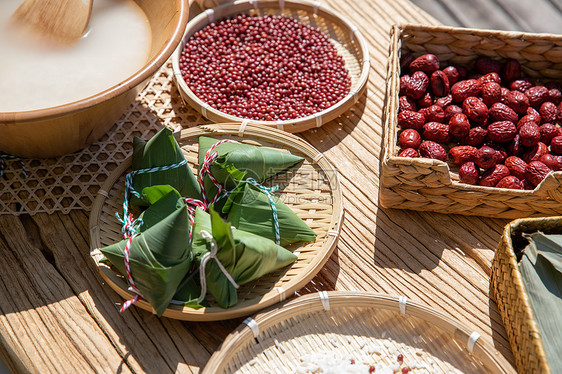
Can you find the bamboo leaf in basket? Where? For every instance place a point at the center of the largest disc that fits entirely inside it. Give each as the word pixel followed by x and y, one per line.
pixel 249 209
pixel 245 256
pixel 189 289
pixel 237 161
pixel 541 270
pixel 199 245
pixel 159 256
pixel 188 292
pixel 162 150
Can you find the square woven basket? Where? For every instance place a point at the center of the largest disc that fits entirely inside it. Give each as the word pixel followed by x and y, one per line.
pixel 509 292
pixel 428 184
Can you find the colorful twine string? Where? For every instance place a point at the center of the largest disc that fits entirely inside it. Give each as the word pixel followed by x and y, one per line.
pixel 268 191
pixel 130 227
pixel 210 157
pixel 130 231
pixel 5 157
pixel 192 205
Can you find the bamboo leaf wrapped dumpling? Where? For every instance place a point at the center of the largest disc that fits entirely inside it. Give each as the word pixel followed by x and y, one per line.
pixel 245 256
pixel 238 161
pixel 250 209
pixel 159 256
pixel 162 150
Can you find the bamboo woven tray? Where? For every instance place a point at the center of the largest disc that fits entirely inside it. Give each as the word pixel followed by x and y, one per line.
pixel 353 323
pixel 349 43
pixel 511 297
pixel 311 190
pixel 427 184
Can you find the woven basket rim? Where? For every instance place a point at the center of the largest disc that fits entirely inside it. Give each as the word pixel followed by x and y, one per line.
pixel 477 32
pixel 313 303
pixel 506 248
pixel 240 6
pixel 295 283
pixel 432 163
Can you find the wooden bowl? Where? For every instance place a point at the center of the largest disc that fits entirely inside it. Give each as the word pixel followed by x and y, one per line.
pixel 67 128
pixel 345 36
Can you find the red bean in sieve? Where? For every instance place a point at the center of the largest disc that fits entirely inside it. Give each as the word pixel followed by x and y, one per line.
pixel 266 68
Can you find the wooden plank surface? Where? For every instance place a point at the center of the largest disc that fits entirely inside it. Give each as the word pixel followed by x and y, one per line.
pixel 56 315
pixel 512 15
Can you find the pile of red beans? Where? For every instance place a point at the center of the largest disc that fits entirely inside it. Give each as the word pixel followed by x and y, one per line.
pixel 266 68
pixel 500 128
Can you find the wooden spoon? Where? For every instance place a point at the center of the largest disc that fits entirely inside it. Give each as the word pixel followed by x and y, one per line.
pixel 65 20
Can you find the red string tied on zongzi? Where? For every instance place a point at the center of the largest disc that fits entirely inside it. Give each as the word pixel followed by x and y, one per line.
pixel 192 205
pixel 210 157
pixel 130 231
pixel 130 227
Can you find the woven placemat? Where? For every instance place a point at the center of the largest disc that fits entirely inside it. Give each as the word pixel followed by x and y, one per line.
pixel 71 182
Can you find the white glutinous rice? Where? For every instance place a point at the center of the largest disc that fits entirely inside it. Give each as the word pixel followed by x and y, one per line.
pixel 334 362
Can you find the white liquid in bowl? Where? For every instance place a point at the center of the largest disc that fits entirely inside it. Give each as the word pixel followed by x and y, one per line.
pixel 37 75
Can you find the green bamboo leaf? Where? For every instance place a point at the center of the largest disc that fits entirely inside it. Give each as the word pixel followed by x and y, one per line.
pixel 160 256
pixel 541 270
pixel 237 161
pixel 199 245
pixel 249 209
pixel 245 256
pixel 162 150
pixel 163 200
pixel 188 292
pixel 259 256
pixel 217 283
pixel 154 193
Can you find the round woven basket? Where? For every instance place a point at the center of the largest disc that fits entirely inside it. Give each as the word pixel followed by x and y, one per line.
pixel 367 327
pixel 311 190
pixel 346 37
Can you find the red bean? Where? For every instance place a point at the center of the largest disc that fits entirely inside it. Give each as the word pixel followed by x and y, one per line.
pixel 264 68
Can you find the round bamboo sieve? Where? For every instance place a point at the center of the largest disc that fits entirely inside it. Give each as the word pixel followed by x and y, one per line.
pixel 311 190
pixel 346 37
pixel 352 324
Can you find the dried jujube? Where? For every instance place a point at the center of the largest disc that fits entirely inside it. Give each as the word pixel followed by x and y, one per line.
pixel 490 118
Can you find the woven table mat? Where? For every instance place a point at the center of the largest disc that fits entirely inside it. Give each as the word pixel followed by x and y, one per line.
pixel 71 182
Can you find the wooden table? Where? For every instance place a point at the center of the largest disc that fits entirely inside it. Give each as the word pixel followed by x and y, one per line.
pixel 56 315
